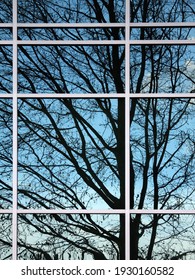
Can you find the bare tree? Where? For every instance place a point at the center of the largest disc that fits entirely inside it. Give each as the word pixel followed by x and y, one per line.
pixel 72 151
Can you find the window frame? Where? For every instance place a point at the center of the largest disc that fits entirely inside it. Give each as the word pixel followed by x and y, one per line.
pixel 126 95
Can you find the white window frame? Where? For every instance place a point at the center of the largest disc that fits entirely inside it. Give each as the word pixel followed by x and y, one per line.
pixel 127 96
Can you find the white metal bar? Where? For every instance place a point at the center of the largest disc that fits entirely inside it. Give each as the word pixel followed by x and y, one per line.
pixel 6 211
pixel 70 25
pixel 161 211
pixel 6 95
pixel 15 175
pixel 127 128
pixel 71 42
pixel 6 42
pixel 162 95
pixel 101 25
pixel 162 42
pixel 96 42
pixel 101 95
pixel 104 25
pixel 162 24
pixel 6 25
pixel 89 211
pixel 75 211
pixel 73 95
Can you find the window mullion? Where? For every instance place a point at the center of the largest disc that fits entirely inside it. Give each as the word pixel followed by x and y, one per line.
pixel 15 144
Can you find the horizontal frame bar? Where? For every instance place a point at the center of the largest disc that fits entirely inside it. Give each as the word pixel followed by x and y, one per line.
pixel 99 25
pixel 96 42
pixel 85 211
pixel 98 95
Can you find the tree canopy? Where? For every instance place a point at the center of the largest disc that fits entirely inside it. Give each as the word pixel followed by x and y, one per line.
pixel 71 150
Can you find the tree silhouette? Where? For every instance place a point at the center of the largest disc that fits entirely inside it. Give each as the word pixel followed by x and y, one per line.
pixel 71 151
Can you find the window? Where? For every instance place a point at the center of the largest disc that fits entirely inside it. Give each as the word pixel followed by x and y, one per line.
pixel 97 129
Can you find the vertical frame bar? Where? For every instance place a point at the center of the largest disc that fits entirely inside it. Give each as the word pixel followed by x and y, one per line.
pixel 15 144
pixel 127 123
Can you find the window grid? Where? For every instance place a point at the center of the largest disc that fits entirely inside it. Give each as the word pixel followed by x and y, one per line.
pixel 127 96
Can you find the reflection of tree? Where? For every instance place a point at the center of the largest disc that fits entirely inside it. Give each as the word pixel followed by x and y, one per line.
pixel 5 237
pixel 162 175
pixel 69 236
pixel 162 11
pixel 72 151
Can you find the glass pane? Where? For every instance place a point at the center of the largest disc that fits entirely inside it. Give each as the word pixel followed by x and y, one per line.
pixel 68 153
pixel 168 33
pixel 5 11
pixel 163 237
pixel 71 69
pixel 162 69
pixel 162 11
pixel 74 11
pixel 5 237
pixel 68 237
pixel 71 33
pixel 5 153
pixel 162 154
pixel 5 69
pixel 5 33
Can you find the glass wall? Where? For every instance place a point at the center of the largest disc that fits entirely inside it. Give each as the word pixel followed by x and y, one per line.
pixel 97 103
